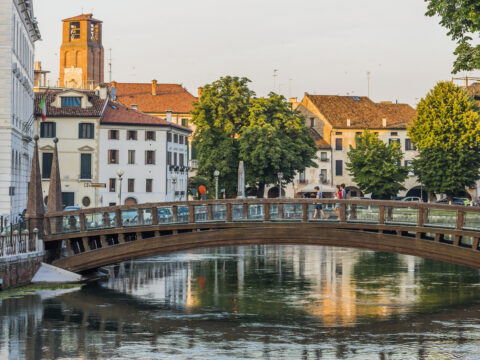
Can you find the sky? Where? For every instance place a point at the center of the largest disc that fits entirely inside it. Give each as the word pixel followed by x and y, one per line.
pixel 317 46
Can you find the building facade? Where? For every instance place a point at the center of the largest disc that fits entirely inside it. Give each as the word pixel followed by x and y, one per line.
pixel 81 53
pixel 18 33
pixel 338 119
pixel 73 116
pixel 149 153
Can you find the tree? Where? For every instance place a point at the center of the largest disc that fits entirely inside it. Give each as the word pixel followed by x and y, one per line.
pixel 447 133
pixel 275 140
pixel 462 19
pixel 375 166
pixel 219 115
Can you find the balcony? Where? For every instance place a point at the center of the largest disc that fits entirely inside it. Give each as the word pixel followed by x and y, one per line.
pixel 324 160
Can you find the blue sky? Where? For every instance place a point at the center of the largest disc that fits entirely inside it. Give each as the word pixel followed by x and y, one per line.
pixel 318 46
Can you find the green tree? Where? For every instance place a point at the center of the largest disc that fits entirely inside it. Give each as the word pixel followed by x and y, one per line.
pixel 275 140
pixel 375 166
pixel 462 20
pixel 219 115
pixel 447 133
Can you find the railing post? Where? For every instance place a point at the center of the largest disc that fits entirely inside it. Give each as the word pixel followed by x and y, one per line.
pixel 381 215
pixel 3 236
pixel 154 215
pixel 15 242
pixel 353 211
pixel 191 214
pixel 118 218
pixel 229 212
pixel 460 219
pixel 140 216
pixel 343 212
pixel 103 241
pixel 420 217
pixel 209 212
pixel 68 246
pixel 304 212
pixel 38 241
pixel 174 214
pixel 26 235
pixel 475 243
pixel 266 211
pixel 280 211
pixel 85 244
pixel 245 211
pixel 83 222
pixel 2 244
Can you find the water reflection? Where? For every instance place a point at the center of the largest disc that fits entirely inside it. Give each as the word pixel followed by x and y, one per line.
pixel 255 302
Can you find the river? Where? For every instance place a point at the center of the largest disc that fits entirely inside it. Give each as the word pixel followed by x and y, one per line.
pixel 265 302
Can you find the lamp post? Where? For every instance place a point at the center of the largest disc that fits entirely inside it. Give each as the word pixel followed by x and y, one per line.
pixel 216 173
pixel 174 183
pixel 120 173
pixel 280 177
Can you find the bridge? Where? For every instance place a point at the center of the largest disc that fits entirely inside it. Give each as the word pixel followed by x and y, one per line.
pixel 90 238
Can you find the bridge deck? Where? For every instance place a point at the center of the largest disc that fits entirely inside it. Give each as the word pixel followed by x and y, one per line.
pixel 101 236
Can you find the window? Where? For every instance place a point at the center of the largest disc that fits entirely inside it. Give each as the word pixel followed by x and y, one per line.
pixel 323 156
pixel 181 160
pixel 148 185
pixel 338 167
pixel 312 122
pixel 338 133
pixel 169 136
pixel 323 175
pixel 85 166
pixel 180 139
pixel 113 156
pixel 175 138
pixel 338 144
pixel 131 185
pixel 150 157
pixel 409 145
pixel 169 158
pixel 358 133
pixel 150 135
pixel 131 135
pixel 185 122
pixel 111 184
pixel 113 134
pixel 86 201
pixel 194 152
pixel 74 30
pixel 71 101
pixel 175 159
pixel 85 131
pixel 48 129
pixel 131 156
pixel 394 133
pixel 46 165
pixel 407 163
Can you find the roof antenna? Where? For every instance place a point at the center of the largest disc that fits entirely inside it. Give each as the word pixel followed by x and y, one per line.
pixel 110 66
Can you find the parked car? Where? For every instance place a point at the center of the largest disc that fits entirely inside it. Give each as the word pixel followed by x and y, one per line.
pixel 455 201
pixel 71 208
pixel 412 198
pixel 398 198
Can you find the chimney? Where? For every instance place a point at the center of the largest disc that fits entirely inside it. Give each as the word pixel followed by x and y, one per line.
pixel 169 115
pixel 134 106
pixel 384 122
pixel 348 122
pixel 200 90
pixel 154 87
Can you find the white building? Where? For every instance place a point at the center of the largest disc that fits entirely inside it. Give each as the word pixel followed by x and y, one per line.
pixel 151 153
pixel 18 32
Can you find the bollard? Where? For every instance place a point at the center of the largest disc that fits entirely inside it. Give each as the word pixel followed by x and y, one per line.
pixel 26 235
pixel 15 242
pixel 38 242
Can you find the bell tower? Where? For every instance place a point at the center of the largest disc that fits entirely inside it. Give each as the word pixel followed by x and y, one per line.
pixel 81 53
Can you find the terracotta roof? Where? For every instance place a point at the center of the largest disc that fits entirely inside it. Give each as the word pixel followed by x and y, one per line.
pixel 474 90
pixel 93 111
pixel 319 141
pixel 82 17
pixel 362 112
pixel 116 113
pixel 169 97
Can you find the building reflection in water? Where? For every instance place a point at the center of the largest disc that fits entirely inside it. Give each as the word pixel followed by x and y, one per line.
pixel 296 301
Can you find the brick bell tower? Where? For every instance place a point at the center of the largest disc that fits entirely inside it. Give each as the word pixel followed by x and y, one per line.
pixel 81 53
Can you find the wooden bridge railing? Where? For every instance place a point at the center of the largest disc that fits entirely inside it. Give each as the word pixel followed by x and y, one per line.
pixel 273 210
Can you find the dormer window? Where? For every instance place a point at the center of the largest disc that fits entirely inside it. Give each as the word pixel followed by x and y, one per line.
pixel 71 101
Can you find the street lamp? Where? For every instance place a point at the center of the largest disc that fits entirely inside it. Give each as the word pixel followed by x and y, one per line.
pixel 216 173
pixel 174 183
pixel 120 173
pixel 280 177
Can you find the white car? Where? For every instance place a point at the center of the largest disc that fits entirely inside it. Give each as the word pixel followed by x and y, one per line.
pixel 412 198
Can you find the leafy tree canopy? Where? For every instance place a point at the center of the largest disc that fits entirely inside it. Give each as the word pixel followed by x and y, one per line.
pixel 462 20
pixel 447 134
pixel 275 140
pixel 447 118
pixel 375 167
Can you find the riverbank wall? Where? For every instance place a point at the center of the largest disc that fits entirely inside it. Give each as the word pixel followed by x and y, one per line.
pixel 19 269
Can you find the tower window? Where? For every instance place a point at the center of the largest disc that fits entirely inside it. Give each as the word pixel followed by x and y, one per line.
pixel 74 30
pixel 71 101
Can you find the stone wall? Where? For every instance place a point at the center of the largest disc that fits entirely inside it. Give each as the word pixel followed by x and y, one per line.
pixel 19 270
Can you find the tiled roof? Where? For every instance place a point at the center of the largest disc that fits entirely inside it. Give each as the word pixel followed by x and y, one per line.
pixel 119 114
pixel 93 111
pixel 169 97
pixel 362 112
pixel 474 90
pixel 319 141
pixel 82 17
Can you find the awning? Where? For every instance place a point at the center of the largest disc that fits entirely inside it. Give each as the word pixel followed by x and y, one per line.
pixel 323 188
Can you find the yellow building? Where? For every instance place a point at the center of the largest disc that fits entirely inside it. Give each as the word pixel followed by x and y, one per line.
pixel 73 116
